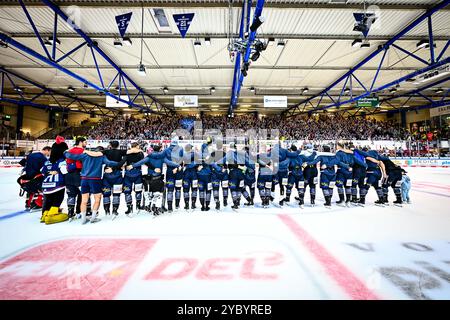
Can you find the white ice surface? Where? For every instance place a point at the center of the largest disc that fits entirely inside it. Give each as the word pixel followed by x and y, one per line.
pixel 364 240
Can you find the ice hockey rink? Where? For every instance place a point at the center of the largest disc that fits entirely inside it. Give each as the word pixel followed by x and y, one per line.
pixel 275 253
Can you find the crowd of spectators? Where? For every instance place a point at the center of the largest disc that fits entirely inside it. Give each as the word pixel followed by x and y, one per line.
pixel 323 127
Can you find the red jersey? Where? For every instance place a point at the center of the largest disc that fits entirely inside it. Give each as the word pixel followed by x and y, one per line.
pixel 78 163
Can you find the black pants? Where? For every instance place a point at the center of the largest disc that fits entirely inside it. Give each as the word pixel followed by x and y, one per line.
pixel 53 200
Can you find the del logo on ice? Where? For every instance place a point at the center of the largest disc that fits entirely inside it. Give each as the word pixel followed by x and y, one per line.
pixel 99 270
pixel 183 22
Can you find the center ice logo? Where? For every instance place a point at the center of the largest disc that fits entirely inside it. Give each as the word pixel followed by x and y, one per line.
pixel 72 269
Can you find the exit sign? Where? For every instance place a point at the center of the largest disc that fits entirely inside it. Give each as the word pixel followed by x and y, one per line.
pixel 373 102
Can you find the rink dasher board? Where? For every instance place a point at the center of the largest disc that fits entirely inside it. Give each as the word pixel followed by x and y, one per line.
pixel 13 162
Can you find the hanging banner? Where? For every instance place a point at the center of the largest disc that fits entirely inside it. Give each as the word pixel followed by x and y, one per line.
pixel 373 102
pixel 275 101
pixel 183 21
pixel 185 101
pixel 122 22
pixel 113 103
pixel 440 111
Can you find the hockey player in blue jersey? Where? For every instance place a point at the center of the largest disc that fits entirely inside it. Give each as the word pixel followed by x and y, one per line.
pixel 265 177
pixel 190 180
pixel 279 155
pixel 344 175
pixel 204 174
pixel 359 175
pixel 174 175
pixel 155 161
pixel 296 177
pixel 133 177
pixel 375 172
pixel 220 179
pixel 310 174
pixel 249 177
pixel 235 160
pixel 327 173
pixel 393 180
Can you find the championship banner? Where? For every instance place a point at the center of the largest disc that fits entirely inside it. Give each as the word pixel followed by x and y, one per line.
pixel 122 22
pixel 183 22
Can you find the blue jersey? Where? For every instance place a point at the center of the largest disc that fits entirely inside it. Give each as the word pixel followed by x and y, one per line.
pixel 54 182
pixel 174 153
pixel 328 161
pixel 296 164
pixel 155 160
pixel 35 161
pixel 346 158
pixel 371 166
pixel 92 166
pixel 359 158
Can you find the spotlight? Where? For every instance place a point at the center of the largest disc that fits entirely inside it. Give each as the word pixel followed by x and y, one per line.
pixel 18 89
pixel 393 90
pixel 438 91
pixel 244 68
pixel 255 56
pixel 347 90
pixel 141 70
pixel 50 40
pixel 256 23
pixel 365 44
pixel 212 89
pixel 423 44
pixel 271 41
pixel 252 89
pixel 260 46
pixel 118 43
pixel 166 90
pixel 411 80
pixel 281 43
pixel 208 41
pixel 3 44
pixel 357 43
pixel 305 90
pixel 71 89
pixel 197 43
pixel 127 41
pixel 47 43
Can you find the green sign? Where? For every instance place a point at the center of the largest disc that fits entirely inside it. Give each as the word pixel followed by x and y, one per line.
pixel 373 102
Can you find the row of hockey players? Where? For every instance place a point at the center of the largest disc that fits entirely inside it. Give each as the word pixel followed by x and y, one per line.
pixel 200 174
pixel 80 172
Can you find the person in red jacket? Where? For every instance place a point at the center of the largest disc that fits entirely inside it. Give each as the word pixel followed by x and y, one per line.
pixel 73 179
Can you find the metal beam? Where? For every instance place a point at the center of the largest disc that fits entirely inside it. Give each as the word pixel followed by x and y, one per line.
pixel 380 49
pixel 237 63
pixel 4 71
pixel 211 67
pixel 284 36
pixel 251 38
pixel 386 86
pixel 162 108
pixel 55 65
pixel 218 4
